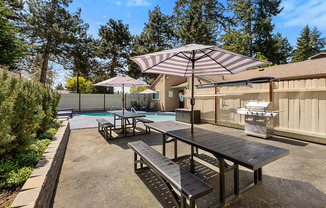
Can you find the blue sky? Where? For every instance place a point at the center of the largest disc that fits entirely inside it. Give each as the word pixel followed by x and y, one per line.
pixel 295 15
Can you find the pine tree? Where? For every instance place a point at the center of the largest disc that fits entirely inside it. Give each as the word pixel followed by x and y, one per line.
pixel 308 44
pixel 13 48
pixel 50 27
pixel 199 21
pixel 157 35
pixel 253 30
pixel 114 46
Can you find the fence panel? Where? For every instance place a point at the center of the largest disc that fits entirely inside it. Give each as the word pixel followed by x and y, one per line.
pixel 90 102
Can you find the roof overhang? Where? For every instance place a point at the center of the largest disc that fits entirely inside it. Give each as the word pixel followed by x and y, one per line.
pixel 180 86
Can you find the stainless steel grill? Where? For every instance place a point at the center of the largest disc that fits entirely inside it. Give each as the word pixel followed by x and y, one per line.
pixel 258 119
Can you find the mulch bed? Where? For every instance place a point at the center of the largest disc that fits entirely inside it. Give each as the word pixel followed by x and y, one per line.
pixel 8 195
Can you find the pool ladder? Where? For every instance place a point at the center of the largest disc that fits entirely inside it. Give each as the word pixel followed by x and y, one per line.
pixel 132 109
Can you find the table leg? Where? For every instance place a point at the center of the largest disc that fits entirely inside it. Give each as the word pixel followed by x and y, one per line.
pixel 124 127
pixel 133 126
pixel 236 180
pixel 114 120
pixel 175 149
pixel 222 180
pixel 192 162
pixel 163 144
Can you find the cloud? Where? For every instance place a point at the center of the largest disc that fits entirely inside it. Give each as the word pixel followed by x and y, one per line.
pixel 137 3
pixel 303 12
pixel 118 3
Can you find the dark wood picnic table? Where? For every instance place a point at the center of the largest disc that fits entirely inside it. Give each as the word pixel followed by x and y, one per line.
pixel 247 153
pixel 124 116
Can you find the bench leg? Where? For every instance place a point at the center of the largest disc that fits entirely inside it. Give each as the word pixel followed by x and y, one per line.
pixel 110 132
pixel 98 127
pixel 135 163
pixel 105 132
pixel 258 175
pixel 183 202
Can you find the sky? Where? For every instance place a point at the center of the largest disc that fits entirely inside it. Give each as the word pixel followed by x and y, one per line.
pixel 295 16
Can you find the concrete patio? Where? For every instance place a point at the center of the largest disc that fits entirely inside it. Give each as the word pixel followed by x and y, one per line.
pixel 99 173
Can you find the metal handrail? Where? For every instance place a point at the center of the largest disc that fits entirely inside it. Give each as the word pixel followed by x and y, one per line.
pixel 133 109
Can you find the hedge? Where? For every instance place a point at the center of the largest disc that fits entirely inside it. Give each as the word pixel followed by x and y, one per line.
pixel 27 113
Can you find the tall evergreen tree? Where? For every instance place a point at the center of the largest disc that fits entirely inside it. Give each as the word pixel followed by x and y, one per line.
pixel 50 26
pixel 254 30
pixel 308 44
pixel 114 46
pixel 157 35
pixel 199 21
pixel 12 47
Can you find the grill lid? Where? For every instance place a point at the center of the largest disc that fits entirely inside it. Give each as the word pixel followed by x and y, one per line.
pixel 257 105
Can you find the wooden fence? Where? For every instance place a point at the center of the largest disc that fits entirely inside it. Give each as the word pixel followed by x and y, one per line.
pixel 302 106
pixel 88 102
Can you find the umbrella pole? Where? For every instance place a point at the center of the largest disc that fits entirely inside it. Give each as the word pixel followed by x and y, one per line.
pixel 123 97
pixel 192 101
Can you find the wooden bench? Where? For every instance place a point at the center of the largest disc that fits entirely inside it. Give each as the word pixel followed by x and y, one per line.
pixel 104 125
pixel 170 174
pixel 64 111
pixel 144 121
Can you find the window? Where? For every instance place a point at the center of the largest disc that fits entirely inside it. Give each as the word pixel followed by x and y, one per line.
pixel 171 93
pixel 156 96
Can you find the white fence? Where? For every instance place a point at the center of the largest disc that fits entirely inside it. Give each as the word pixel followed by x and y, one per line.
pixel 88 102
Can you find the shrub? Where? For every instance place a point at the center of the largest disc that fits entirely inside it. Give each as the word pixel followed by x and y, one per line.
pixel 15 178
pixel 27 110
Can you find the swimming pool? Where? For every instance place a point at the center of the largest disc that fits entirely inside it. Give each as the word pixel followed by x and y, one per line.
pixel 148 114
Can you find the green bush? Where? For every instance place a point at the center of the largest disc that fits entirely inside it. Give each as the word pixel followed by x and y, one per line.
pixel 15 178
pixel 27 112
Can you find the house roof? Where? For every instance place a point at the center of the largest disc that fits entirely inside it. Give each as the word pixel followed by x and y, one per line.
pixel 319 55
pixel 303 69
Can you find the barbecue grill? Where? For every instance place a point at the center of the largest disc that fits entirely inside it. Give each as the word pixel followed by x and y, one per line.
pixel 258 119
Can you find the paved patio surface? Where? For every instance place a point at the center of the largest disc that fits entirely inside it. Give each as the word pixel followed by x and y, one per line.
pixel 99 173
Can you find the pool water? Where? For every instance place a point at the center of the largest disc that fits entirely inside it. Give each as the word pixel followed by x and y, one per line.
pixel 148 114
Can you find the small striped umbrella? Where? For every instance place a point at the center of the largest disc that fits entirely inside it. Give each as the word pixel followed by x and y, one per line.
pixel 196 60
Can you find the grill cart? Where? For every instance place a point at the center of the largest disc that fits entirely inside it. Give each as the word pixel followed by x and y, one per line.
pixel 258 119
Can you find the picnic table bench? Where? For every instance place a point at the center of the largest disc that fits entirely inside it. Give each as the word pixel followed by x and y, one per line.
pixel 170 174
pixel 144 120
pixel 62 111
pixel 250 154
pixel 106 126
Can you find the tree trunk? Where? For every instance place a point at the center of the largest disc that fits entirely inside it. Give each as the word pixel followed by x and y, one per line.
pixel 44 67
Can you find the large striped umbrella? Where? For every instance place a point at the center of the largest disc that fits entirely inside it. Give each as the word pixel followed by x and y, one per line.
pixel 196 60
pixel 121 81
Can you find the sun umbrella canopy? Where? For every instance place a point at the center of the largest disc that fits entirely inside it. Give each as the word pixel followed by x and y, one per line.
pixel 196 60
pixel 148 91
pixel 121 81
pixel 209 60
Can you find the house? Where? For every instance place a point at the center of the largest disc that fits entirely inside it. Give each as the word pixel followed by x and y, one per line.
pixel 168 89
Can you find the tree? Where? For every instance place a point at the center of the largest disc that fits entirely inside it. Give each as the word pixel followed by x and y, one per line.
pixel 157 35
pixel 59 87
pixel 141 88
pixel 50 27
pixel 283 49
pixel 253 30
pixel 308 44
pixel 114 46
pixel 13 48
pixel 199 21
pixel 85 86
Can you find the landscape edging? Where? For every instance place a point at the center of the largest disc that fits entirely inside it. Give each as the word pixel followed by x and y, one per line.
pixel 39 188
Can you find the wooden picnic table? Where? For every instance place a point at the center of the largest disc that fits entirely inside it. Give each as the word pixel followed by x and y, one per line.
pixel 124 116
pixel 247 153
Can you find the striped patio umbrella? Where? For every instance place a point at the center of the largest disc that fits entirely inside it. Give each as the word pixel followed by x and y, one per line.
pixel 196 60
pixel 121 81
